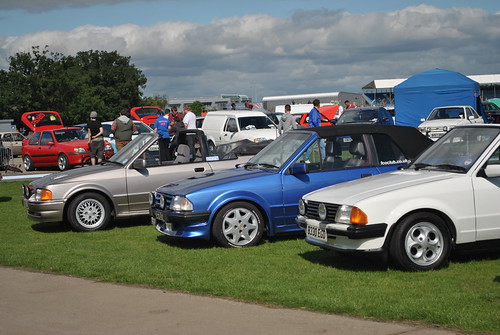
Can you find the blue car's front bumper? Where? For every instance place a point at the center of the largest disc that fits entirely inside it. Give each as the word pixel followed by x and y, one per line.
pixel 181 224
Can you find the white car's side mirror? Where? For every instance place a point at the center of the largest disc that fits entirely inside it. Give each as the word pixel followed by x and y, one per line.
pixel 492 171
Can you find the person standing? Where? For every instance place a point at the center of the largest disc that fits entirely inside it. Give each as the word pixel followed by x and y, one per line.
pixel 96 139
pixel 315 115
pixel 123 127
pixel 162 128
pixel 287 121
pixel 189 118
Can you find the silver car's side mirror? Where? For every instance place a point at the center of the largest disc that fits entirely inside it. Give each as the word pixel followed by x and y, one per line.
pixel 139 164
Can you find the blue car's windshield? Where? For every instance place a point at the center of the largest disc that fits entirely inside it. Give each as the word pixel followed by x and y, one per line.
pixel 458 150
pixel 279 151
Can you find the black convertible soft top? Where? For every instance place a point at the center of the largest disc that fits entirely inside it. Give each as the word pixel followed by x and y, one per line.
pixel 409 139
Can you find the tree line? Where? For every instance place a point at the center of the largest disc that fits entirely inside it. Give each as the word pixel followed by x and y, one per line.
pixel 71 85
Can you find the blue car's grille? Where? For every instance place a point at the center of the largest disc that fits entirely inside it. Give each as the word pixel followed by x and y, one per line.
pixel 312 211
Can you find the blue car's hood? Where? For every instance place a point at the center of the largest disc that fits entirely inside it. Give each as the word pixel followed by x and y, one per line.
pixel 216 179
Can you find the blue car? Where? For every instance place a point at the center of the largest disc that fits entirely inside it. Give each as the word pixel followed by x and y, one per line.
pixel 238 206
pixel 366 115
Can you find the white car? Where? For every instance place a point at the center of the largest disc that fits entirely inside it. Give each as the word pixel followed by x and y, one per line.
pixel 446 200
pixel 443 119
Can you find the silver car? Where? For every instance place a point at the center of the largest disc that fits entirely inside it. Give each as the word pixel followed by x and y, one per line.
pixel 89 197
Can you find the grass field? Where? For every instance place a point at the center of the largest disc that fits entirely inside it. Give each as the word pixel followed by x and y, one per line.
pixel 285 271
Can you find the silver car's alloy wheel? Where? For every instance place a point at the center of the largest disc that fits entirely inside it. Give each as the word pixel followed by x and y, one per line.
pixel 238 224
pixel 424 244
pixel 89 211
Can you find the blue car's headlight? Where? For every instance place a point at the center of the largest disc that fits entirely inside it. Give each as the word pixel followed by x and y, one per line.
pixel 181 204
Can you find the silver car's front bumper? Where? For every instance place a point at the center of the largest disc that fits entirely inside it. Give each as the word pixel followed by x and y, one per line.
pixel 41 211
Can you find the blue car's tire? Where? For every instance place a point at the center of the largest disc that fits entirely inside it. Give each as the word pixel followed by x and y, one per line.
pixel 238 224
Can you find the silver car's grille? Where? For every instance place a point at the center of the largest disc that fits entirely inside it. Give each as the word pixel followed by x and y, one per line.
pixel 312 211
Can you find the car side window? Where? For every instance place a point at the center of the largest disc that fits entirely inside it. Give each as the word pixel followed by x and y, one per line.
pixel 35 139
pixel 388 152
pixel 46 138
pixel 495 158
pixel 231 125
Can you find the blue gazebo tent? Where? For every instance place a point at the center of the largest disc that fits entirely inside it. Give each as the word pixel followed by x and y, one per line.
pixel 418 95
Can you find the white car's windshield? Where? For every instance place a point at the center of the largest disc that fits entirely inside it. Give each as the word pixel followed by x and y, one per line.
pixel 129 151
pixel 447 113
pixel 279 151
pixel 458 150
pixel 255 122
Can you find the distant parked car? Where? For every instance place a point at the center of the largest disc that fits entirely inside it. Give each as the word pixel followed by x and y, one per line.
pixel 446 200
pixel 14 141
pixel 62 148
pixel 237 206
pixel 327 116
pixel 492 111
pixel 443 119
pixel 366 115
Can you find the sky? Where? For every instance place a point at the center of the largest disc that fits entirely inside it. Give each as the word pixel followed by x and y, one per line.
pixel 203 48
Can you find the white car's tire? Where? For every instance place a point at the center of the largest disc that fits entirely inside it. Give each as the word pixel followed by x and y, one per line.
pixel 421 242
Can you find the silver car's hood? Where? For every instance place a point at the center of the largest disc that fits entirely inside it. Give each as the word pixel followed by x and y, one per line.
pixel 83 174
pixel 354 191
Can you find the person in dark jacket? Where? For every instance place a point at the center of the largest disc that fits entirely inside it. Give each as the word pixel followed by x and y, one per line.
pixel 123 127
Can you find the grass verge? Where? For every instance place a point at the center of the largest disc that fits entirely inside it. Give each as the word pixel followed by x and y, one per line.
pixel 285 272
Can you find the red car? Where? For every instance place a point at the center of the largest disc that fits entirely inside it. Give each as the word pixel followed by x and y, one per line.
pixel 146 114
pixel 42 120
pixel 327 115
pixel 62 147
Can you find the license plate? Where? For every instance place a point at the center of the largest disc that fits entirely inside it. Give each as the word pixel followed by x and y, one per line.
pixel 316 232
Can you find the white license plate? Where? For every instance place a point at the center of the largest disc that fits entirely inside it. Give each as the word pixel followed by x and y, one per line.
pixel 316 232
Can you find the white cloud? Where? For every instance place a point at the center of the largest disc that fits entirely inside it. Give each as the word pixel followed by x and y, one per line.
pixel 313 51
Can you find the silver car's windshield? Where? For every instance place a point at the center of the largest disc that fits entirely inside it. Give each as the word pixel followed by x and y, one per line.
pixel 138 144
pixel 458 150
pixel 279 151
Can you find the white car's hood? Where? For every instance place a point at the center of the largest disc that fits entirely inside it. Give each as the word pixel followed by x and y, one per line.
pixel 443 122
pixel 354 191
pixel 251 134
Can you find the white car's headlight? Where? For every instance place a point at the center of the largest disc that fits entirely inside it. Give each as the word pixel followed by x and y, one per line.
pixel 259 139
pixel 302 207
pixel 351 215
pixel 322 211
pixel 445 128
pixel 79 150
pixel 181 204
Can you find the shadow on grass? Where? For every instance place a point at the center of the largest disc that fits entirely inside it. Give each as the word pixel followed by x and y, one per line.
pixel 5 199
pixel 472 256
pixel 186 243
pixel 348 261
pixel 51 227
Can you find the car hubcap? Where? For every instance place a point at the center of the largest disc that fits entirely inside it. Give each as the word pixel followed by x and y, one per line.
pixel 62 163
pixel 90 213
pixel 424 244
pixel 240 226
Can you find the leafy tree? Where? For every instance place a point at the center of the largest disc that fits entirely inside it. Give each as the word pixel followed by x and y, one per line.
pixel 72 85
pixel 197 108
pixel 157 100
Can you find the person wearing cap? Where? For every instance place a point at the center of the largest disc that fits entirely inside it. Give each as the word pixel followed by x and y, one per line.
pixel 96 139
pixel 162 128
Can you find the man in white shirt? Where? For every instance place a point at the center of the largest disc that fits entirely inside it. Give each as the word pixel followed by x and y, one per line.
pixel 189 118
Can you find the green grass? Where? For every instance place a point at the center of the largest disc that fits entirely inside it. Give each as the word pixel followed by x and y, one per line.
pixel 284 271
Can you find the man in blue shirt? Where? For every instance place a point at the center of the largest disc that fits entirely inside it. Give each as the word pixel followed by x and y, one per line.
pixel 162 127
pixel 314 115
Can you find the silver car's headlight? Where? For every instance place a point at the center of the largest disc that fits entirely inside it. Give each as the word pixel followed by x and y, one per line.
pixel 152 196
pixel 181 204
pixel 445 128
pixel 302 207
pixel 42 194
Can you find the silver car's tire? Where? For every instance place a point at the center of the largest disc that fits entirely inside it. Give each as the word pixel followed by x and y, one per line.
pixel 89 212
pixel 421 242
pixel 238 224
pixel 62 162
pixel 28 163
